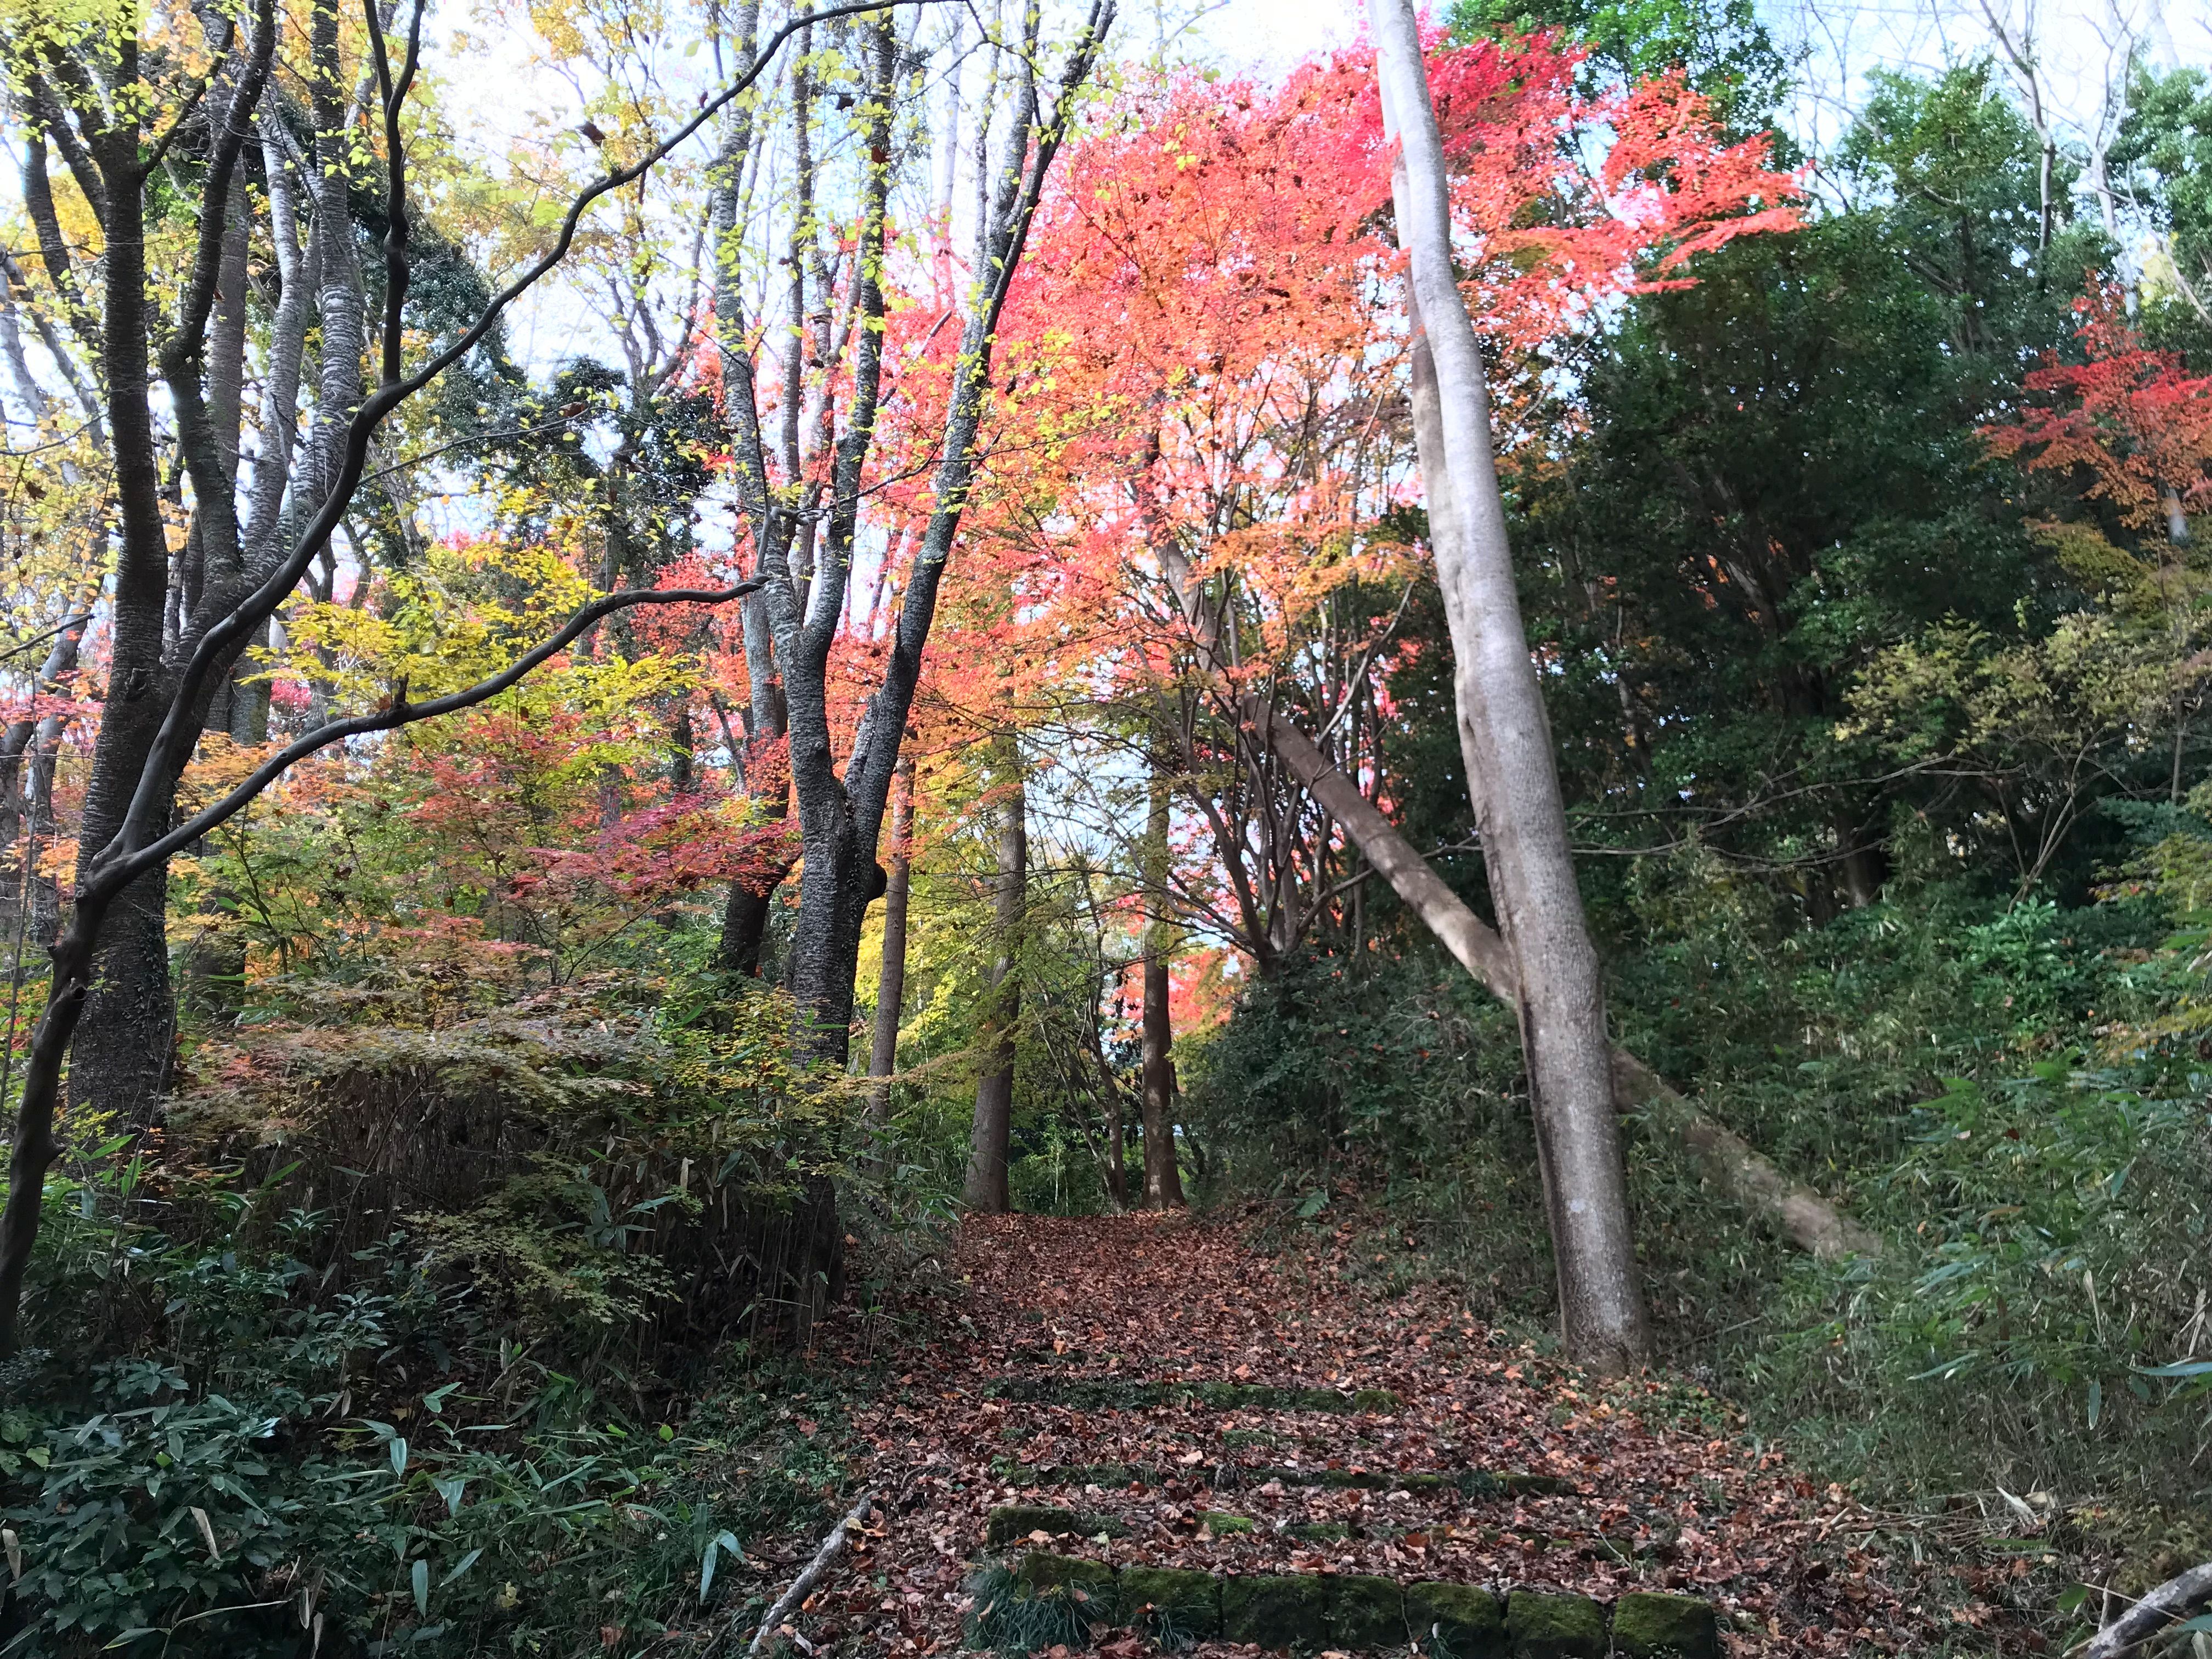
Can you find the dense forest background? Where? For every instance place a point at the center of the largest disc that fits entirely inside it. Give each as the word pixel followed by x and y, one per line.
pixel 466 1136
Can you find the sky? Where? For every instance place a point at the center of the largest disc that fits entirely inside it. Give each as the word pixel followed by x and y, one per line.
pixel 1839 41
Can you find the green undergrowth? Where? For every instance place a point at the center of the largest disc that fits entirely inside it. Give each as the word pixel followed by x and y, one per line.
pixel 517 1422
pixel 385 1465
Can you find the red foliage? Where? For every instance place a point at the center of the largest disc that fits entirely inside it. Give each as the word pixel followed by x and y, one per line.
pixel 2131 415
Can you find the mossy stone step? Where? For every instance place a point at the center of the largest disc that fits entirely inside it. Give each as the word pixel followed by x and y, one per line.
pixel 1355 1611
pixel 1187 1601
pixel 1462 1620
pixel 1231 1477
pixel 1652 1624
pixel 1104 1392
pixel 1540 1626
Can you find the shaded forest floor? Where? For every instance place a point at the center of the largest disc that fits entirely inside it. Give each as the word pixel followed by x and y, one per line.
pixel 1149 1373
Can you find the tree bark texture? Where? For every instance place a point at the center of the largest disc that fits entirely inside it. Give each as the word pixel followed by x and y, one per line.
pixel 1737 1169
pixel 890 989
pixel 1505 738
pixel 120 1058
pixel 991 1139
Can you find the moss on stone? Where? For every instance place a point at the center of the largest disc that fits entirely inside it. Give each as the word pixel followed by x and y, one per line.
pixel 1465 1620
pixel 1651 1625
pixel 1365 1611
pixel 1190 1601
pixel 1224 1524
pixel 1104 1394
pixel 1542 1627
pixel 1275 1611
pixel 1321 1531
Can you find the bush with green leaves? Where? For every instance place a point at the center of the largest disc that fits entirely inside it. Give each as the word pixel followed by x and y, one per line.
pixel 375 1460
pixel 506 1419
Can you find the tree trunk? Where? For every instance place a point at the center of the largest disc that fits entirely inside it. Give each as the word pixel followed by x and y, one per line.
pixel 1736 1169
pixel 890 990
pixel 1163 1180
pixel 842 818
pixel 994 1092
pixel 120 1058
pixel 744 928
pixel 1117 1152
pixel 768 780
pixel 1862 863
pixel 1506 741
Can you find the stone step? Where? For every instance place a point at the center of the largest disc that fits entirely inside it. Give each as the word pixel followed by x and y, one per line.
pixel 1038 1524
pixel 1111 1394
pixel 1237 1477
pixel 1068 1597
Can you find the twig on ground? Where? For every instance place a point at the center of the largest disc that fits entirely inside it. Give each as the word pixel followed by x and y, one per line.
pixel 807 1580
pixel 2173 1601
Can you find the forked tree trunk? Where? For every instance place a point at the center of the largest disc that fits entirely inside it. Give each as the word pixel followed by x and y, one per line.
pixel 1163 1180
pixel 1738 1170
pixel 841 819
pixel 991 1139
pixel 1505 740
pixel 890 991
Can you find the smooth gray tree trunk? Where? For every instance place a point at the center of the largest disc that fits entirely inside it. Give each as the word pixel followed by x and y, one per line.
pixel 1505 740
pixel 1737 1169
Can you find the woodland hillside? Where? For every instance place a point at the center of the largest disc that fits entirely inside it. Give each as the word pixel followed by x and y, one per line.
pixel 862 828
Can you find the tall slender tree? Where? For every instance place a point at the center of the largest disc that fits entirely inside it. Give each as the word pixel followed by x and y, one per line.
pixel 840 810
pixel 990 1140
pixel 1506 743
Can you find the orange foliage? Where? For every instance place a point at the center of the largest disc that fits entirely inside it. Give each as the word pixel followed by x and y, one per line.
pixel 2129 414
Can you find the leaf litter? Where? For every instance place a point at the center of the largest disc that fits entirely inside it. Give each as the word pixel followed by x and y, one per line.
pixel 1058 1378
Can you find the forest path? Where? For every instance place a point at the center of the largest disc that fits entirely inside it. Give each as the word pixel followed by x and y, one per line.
pixel 1149 1393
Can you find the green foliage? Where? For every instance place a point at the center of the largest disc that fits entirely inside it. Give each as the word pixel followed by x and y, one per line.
pixel 474 1407
pixel 2163 157
pixel 1721 47
pixel 376 1459
pixel 1391 1073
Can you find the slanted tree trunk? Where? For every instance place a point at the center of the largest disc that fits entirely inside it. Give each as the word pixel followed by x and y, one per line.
pixel 989 1140
pixel 1737 1169
pixel 890 990
pixel 1163 1180
pixel 1505 739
